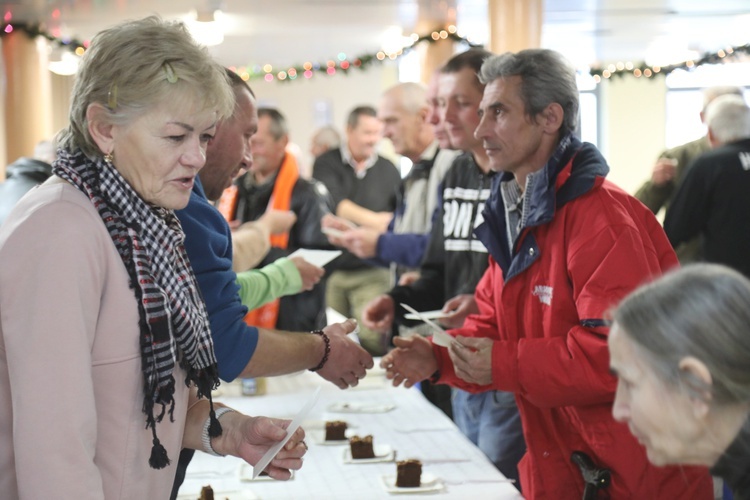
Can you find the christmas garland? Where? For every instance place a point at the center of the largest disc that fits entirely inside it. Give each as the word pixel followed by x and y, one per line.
pixel 342 64
pixel 621 69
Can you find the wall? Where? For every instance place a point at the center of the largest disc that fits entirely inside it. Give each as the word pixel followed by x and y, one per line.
pixel 632 114
pixel 338 93
pixel 632 131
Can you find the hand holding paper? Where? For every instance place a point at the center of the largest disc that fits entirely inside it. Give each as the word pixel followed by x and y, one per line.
pixel 316 257
pixel 293 426
pixel 440 337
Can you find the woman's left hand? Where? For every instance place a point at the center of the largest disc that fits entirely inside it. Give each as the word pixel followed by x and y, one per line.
pixel 250 438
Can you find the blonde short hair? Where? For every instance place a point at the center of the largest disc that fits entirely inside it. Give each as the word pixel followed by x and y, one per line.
pixel 136 65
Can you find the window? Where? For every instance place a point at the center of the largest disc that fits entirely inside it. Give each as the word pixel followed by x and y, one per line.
pixel 588 115
pixel 684 100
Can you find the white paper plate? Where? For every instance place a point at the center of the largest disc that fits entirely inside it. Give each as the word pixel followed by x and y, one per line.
pixel 360 407
pixel 428 482
pixel 383 453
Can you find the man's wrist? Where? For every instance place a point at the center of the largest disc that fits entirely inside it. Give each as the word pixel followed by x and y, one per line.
pixel 326 350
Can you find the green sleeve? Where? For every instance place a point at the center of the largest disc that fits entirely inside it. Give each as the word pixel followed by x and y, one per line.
pixel 260 286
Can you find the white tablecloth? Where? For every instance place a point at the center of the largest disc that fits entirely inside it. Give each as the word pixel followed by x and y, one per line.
pixel 414 428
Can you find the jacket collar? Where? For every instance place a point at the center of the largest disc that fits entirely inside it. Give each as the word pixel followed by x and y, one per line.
pixel 734 464
pixel 573 170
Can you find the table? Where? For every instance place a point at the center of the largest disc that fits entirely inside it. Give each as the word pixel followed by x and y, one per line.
pixel 414 428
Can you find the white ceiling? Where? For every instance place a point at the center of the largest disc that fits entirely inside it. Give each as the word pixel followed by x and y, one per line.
pixel 291 32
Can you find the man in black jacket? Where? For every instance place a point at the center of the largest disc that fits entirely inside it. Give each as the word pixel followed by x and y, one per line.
pixel 269 181
pixel 713 201
pixel 364 187
pixel 455 261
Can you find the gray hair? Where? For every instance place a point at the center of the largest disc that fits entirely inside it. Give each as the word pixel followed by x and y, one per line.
pixel 278 128
pixel 327 136
pixel 703 311
pixel 135 65
pixel 728 118
pixel 411 96
pixel 711 93
pixel 546 76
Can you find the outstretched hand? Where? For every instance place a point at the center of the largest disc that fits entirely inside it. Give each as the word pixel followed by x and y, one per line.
pixel 310 273
pixel 347 362
pixel 411 361
pixel 379 313
pixel 457 309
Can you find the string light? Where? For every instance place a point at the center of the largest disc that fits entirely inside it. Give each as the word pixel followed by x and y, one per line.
pixel 342 62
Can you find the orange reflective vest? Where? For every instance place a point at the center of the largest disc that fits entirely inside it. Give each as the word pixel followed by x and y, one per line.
pixel 281 199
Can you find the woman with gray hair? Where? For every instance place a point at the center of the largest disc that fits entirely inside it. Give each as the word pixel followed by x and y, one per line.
pixel 106 359
pixel 680 348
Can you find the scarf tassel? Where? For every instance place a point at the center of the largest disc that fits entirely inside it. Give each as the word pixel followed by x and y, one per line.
pixel 159 458
pixel 214 427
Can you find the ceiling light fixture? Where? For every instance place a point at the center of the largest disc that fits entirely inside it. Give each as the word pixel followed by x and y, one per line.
pixel 66 65
pixel 206 26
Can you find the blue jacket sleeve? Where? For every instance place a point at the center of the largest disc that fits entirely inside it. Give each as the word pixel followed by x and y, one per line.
pixel 406 249
pixel 209 247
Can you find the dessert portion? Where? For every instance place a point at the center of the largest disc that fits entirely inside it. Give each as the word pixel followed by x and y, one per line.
pixel 335 430
pixel 361 447
pixel 408 473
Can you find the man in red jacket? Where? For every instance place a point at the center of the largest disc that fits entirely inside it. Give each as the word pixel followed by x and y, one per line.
pixel 565 246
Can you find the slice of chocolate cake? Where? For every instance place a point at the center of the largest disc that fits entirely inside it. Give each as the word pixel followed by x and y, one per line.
pixel 335 430
pixel 408 473
pixel 361 447
pixel 207 493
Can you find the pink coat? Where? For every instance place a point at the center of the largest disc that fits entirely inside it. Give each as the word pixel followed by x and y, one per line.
pixel 71 424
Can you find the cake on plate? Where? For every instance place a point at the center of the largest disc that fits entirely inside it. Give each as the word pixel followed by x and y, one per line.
pixel 335 430
pixel 361 447
pixel 408 473
pixel 207 493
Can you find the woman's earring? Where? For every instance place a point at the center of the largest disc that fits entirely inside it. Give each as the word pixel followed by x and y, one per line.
pixel 108 158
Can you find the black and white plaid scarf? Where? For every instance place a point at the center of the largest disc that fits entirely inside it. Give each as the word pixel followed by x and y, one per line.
pixel 173 320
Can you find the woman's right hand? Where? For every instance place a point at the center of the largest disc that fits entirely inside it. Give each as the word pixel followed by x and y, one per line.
pixel 251 437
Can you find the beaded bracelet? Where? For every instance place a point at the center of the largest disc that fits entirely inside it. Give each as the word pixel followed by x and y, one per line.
pixel 327 350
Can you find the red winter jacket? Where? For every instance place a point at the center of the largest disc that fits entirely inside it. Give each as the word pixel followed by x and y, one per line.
pixel 584 246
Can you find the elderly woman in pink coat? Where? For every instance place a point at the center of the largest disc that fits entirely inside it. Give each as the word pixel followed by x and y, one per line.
pixel 106 360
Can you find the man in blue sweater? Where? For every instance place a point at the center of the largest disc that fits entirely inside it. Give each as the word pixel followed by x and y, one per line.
pixel 242 350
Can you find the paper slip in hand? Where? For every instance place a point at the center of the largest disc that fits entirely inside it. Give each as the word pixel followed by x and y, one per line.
pixel 345 222
pixel 437 314
pixel 330 231
pixel 440 337
pixel 316 257
pixel 293 426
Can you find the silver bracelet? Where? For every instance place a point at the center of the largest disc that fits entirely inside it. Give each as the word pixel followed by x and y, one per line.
pixel 205 438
